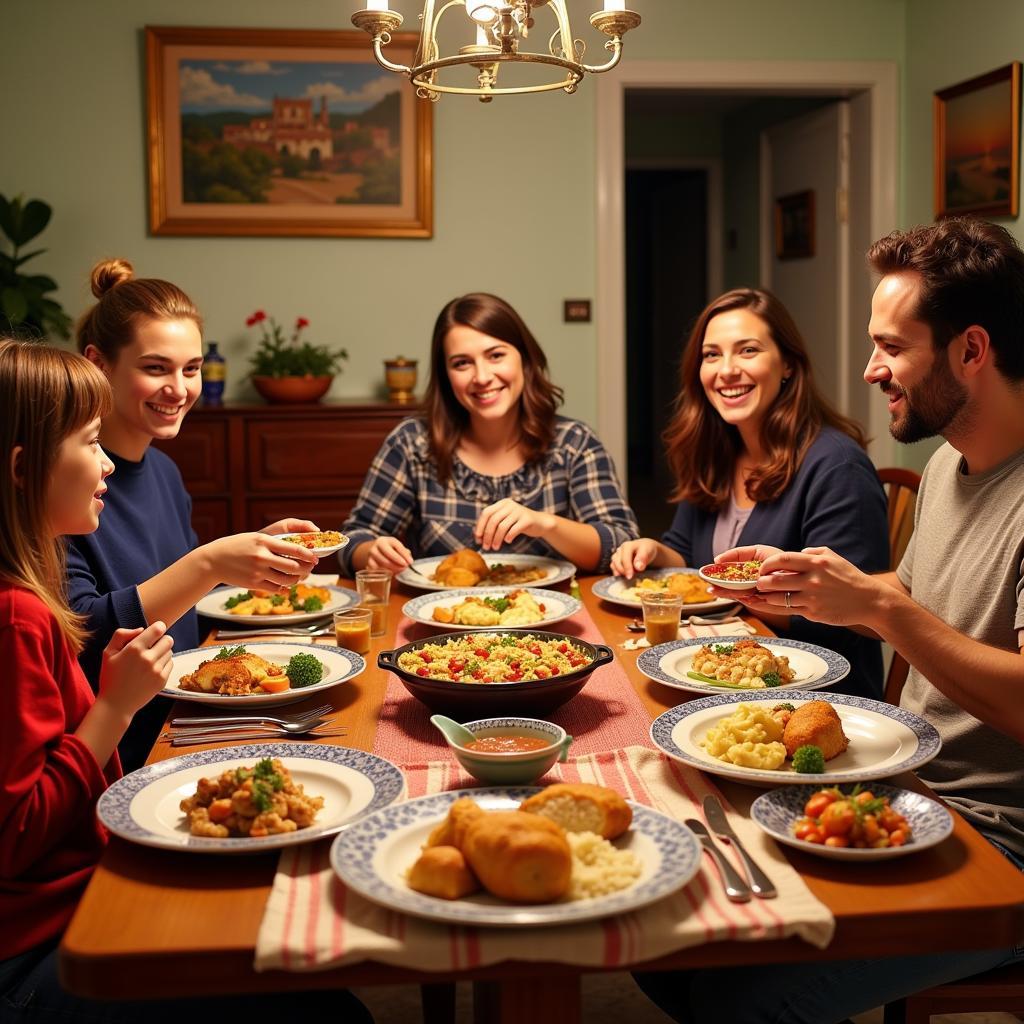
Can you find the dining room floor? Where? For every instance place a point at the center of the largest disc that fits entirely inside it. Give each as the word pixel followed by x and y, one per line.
pixel 607 999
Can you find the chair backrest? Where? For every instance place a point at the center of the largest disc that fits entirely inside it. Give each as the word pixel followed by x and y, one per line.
pixel 901 490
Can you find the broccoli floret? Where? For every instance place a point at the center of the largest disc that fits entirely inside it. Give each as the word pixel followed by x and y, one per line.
pixel 238 599
pixel 311 604
pixel 723 649
pixel 229 652
pixel 772 679
pixel 304 670
pixel 808 760
pixel 499 604
pixel 277 600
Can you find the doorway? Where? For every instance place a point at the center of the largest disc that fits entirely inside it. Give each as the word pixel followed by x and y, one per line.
pixel 877 81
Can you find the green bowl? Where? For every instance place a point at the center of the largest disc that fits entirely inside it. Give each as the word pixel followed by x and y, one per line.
pixel 513 769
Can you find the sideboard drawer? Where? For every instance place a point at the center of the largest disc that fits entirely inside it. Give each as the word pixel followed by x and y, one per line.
pixel 318 455
pixel 211 518
pixel 201 453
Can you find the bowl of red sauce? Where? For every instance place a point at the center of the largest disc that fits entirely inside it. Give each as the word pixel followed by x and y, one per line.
pixel 731 575
pixel 510 751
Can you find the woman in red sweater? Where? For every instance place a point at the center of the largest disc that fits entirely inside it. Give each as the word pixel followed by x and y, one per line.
pixel 57 740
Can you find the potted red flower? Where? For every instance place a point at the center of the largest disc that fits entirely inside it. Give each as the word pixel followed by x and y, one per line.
pixel 291 369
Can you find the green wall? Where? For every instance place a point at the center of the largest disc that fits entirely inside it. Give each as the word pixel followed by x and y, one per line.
pixel 514 185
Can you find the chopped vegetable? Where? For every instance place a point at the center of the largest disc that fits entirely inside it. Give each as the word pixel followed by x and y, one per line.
pixel 229 652
pixel 238 599
pixel 724 650
pixel 277 600
pixel 772 679
pixel 274 684
pixel 808 760
pixel 304 670
pixel 499 604
pixel 783 707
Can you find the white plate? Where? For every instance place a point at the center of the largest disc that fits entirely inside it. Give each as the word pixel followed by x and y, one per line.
pixel 372 856
pixel 814 666
pixel 777 810
pixel 323 552
pixel 212 606
pixel 617 590
pixel 884 739
pixel 717 581
pixel 557 606
pixel 420 573
pixel 143 806
pixel 339 667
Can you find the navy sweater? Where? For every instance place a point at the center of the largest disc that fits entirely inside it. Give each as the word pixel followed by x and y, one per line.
pixel 145 526
pixel 835 500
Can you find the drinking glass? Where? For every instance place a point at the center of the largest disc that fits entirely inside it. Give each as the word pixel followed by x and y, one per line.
pixel 661 616
pixel 352 629
pixel 374 586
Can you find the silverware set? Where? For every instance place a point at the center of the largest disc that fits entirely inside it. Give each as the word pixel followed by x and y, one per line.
pixel 737 888
pixel 188 730
pixel 314 629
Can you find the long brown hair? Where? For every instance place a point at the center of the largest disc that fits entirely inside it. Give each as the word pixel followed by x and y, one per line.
pixel 447 420
pixel 702 448
pixel 124 302
pixel 47 394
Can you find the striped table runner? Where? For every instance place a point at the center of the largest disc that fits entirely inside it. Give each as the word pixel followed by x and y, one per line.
pixel 313 922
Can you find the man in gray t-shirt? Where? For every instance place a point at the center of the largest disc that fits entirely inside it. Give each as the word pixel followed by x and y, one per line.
pixel 947 326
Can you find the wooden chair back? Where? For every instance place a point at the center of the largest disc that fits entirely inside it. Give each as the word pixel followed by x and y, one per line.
pixel 901 491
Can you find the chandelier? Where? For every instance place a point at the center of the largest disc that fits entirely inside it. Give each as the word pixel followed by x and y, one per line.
pixel 502 28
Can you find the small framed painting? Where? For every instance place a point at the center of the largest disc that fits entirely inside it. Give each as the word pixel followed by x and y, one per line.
pixel 977 145
pixel 284 132
pixel 794 225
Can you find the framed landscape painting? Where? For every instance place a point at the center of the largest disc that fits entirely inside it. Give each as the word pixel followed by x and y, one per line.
pixel 284 132
pixel 977 145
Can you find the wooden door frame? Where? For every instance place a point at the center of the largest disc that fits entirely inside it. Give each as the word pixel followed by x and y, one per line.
pixel 878 78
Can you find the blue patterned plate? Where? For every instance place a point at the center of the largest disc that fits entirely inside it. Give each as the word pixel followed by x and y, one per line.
pixel 815 666
pixel 339 667
pixel 555 605
pixel 212 606
pixel 884 739
pixel 373 856
pixel 619 590
pixel 777 810
pixel 143 806
pixel 421 573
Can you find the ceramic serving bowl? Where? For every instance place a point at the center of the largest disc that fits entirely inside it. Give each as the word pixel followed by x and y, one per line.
pixel 723 584
pixel 464 701
pixel 512 769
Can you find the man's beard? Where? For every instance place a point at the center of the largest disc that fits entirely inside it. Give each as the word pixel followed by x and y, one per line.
pixel 931 406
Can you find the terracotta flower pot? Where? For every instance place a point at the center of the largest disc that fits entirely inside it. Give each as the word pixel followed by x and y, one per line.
pixel 280 390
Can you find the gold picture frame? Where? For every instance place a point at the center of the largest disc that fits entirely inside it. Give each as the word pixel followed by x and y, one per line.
pixel 794 225
pixel 284 132
pixel 977 145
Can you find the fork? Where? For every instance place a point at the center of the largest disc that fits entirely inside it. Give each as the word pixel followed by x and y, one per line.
pixel 302 716
pixel 202 736
pixel 242 634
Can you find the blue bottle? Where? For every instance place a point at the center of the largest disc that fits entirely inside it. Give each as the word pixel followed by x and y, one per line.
pixel 215 371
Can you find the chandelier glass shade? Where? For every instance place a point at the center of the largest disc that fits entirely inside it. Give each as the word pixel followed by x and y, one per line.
pixel 501 29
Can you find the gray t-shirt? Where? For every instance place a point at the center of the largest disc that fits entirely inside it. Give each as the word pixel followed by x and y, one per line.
pixel 729 525
pixel 965 564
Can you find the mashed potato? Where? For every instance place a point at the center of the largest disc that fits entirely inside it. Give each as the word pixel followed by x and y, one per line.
pixel 749 737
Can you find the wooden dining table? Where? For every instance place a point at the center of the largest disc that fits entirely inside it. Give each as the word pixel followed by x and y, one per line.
pixel 156 923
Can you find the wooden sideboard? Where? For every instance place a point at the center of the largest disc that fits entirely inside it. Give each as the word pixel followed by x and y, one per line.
pixel 247 465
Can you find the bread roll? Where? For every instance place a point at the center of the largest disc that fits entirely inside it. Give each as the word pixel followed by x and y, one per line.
pixel 452 830
pixel 815 723
pixel 519 857
pixel 442 871
pixel 582 807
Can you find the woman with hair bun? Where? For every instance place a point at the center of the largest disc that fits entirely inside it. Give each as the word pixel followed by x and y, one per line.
pixel 759 455
pixel 489 464
pixel 143 564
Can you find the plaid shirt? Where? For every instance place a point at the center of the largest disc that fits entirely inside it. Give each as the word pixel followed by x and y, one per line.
pixel 401 496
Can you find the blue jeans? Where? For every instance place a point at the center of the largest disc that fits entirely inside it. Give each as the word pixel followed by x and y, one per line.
pixel 30 992
pixel 818 993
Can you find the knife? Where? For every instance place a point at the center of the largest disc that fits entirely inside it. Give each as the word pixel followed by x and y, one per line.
pixel 735 888
pixel 760 883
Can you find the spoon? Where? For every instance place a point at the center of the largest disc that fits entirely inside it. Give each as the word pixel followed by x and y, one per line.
pixel 453 732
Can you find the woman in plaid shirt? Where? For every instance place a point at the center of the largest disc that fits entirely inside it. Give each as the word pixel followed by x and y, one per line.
pixel 489 465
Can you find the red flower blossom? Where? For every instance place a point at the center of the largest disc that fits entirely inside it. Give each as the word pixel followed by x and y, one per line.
pixel 300 323
pixel 249 321
pixel 259 316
